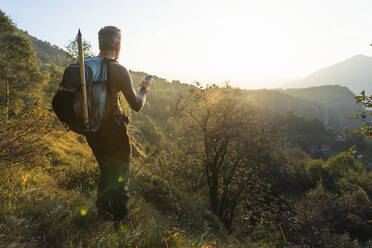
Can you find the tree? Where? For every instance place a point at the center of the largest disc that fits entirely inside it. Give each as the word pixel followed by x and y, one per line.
pixel 237 149
pixel 19 69
pixel 54 77
pixel 338 200
pixel 364 115
pixel 21 137
pixel 72 49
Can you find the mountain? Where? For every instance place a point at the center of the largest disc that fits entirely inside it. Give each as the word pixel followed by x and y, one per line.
pixel 338 104
pixel 332 105
pixel 354 73
pixel 48 53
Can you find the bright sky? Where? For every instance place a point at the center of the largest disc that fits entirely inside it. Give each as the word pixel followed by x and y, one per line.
pixel 252 44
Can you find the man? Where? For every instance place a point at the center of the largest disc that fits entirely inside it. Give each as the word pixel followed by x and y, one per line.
pixel 110 144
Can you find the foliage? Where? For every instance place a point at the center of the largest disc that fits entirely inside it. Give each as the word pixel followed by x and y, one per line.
pixel 73 51
pixel 21 136
pixel 47 53
pixel 338 200
pixel 364 115
pixel 310 135
pixel 239 155
pixel 54 78
pixel 19 71
pixel 315 171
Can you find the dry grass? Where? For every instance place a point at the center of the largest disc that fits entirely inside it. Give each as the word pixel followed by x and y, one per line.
pixel 52 205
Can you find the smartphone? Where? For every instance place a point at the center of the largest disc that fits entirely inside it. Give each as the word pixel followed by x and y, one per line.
pixel 148 78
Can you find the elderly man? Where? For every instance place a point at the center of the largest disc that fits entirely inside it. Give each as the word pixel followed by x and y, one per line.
pixel 110 144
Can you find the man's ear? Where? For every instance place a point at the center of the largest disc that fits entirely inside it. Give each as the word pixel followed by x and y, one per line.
pixel 118 47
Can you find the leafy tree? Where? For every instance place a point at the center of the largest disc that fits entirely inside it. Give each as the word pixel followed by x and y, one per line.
pixel 237 149
pixel 19 70
pixel 315 170
pixel 72 49
pixel 54 78
pixel 364 115
pixel 338 200
pixel 21 137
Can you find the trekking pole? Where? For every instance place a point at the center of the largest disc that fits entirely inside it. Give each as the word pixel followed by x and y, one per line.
pixel 83 83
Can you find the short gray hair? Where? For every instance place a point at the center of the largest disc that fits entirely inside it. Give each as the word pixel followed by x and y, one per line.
pixel 108 37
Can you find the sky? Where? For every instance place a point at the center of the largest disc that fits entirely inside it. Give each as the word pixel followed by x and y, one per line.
pixel 251 44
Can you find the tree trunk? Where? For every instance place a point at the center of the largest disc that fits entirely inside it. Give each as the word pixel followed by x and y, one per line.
pixel 212 184
pixel 6 97
pixel 6 88
pixel 212 181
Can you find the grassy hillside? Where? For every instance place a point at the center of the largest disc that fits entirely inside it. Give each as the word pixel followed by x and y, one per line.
pixel 52 205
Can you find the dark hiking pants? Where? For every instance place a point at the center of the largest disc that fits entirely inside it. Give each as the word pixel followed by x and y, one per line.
pixel 112 150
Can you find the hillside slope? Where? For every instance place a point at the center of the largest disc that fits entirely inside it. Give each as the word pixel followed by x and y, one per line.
pixel 354 73
pixel 332 105
pixel 338 104
pixel 48 53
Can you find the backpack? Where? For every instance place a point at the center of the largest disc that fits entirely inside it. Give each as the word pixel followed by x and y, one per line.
pixel 67 102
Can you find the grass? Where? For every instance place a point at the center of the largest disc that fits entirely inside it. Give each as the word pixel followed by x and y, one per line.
pixel 52 205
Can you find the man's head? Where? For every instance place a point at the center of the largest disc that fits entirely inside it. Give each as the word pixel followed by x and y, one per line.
pixel 109 39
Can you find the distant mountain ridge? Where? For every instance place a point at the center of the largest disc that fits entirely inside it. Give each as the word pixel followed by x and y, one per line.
pixel 331 104
pixel 354 73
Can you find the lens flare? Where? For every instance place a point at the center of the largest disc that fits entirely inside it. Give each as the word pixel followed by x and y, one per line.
pixel 83 212
pixel 25 178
